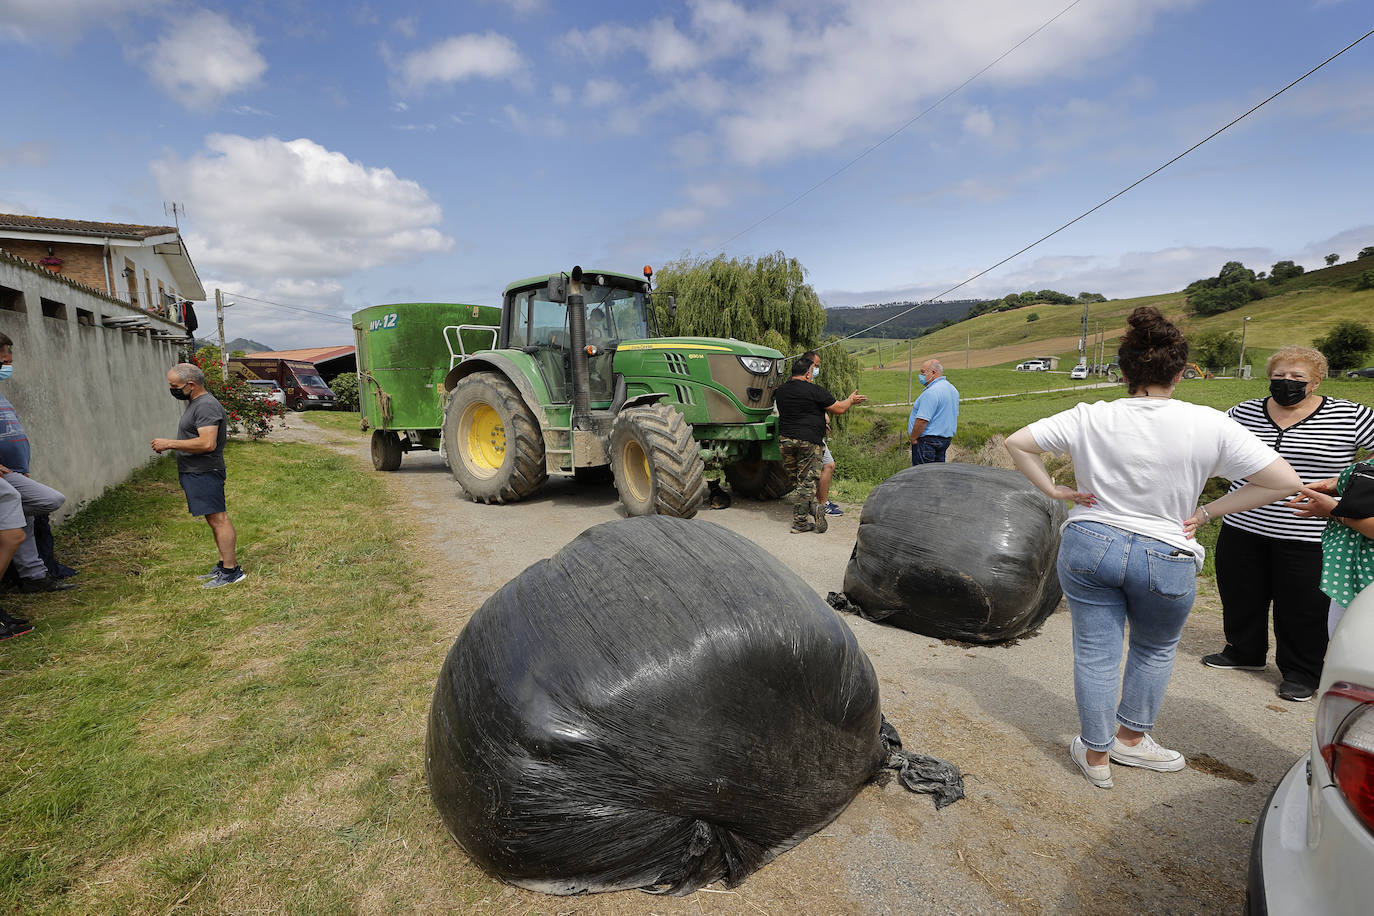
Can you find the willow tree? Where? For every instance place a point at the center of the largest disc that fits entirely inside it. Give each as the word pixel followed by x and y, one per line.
pixel 765 301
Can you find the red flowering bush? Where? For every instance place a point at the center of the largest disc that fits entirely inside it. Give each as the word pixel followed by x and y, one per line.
pixel 246 411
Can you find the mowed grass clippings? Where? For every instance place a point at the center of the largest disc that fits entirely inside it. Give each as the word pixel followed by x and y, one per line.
pixel 254 748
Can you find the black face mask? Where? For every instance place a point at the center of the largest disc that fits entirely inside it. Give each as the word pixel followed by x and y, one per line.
pixel 1287 391
pixel 179 394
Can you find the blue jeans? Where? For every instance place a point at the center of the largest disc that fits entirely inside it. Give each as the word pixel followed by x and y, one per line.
pixel 1110 577
pixel 929 450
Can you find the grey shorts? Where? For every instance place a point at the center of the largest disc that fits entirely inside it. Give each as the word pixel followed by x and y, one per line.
pixel 204 491
pixel 826 457
pixel 11 507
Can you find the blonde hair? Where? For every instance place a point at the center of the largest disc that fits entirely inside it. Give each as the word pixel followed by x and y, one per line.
pixel 1309 357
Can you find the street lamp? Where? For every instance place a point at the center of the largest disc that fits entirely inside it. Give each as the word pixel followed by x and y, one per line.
pixel 1240 367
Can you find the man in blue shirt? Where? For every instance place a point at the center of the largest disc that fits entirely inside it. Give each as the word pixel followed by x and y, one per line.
pixel 934 416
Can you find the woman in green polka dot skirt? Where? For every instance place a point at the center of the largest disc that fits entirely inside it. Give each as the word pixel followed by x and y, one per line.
pixel 1347 543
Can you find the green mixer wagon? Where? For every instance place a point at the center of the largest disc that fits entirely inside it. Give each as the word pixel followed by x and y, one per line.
pixel 405 351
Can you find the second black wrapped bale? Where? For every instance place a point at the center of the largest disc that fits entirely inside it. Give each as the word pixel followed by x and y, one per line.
pixel 660 705
pixel 957 551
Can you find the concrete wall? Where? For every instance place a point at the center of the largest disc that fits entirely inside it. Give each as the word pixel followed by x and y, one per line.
pixel 91 397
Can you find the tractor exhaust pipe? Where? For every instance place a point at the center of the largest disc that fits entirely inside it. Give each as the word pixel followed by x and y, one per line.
pixel 577 339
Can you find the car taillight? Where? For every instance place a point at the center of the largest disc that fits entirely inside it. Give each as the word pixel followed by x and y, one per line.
pixel 1345 734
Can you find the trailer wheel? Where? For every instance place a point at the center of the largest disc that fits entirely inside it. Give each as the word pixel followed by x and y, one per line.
pixel 657 467
pixel 386 450
pixel 493 442
pixel 758 479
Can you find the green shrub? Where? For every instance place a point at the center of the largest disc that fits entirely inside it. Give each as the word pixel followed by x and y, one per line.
pixel 345 388
pixel 246 412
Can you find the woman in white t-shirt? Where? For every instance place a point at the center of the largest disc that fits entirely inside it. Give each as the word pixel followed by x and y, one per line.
pixel 1127 553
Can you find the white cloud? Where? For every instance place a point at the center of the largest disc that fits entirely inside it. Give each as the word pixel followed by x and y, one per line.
pixel 203 58
pixel 462 57
pixel 406 26
pixel 601 92
pixel 64 20
pixel 524 7
pixel 979 123
pixel 561 95
pixel 251 111
pixel 274 209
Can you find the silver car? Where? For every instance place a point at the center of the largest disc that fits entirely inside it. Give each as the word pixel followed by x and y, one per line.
pixel 1314 844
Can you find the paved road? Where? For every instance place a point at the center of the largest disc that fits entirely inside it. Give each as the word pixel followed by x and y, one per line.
pixel 1032 835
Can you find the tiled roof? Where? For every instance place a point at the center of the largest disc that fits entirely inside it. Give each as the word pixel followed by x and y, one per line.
pixel 14 221
pixel 309 354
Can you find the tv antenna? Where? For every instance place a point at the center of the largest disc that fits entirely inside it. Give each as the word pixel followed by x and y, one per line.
pixel 175 211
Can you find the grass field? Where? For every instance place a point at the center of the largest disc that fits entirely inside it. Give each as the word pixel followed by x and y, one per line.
pixel 248 749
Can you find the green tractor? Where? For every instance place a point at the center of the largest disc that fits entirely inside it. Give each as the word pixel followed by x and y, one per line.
pixel 578 383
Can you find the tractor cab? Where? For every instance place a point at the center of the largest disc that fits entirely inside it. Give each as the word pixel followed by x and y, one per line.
pixel 536 320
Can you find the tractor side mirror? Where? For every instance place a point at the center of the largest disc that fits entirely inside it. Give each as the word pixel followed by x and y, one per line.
pixel 558 288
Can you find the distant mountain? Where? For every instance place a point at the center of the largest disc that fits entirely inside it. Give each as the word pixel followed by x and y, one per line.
pixel 842 321
pixel 238 343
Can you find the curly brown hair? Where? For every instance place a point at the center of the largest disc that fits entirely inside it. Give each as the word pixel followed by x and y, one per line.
pixel 1153 351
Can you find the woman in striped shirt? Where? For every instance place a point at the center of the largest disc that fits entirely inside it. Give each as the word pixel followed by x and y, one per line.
pixel 1267 555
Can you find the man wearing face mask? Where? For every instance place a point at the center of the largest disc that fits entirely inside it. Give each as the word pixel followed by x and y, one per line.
pixel 934 416
pixel 200 466
pixel 802 406
pixel 1268 555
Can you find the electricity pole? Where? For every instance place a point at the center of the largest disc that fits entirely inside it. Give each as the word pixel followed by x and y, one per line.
pixel 223 354
pixel 1240 363
pixel 908 370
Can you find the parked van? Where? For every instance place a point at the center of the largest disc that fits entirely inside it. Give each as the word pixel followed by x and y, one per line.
pixel 1032 365
pixel 298 379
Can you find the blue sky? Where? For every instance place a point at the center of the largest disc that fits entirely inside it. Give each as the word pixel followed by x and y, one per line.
pixel 336 155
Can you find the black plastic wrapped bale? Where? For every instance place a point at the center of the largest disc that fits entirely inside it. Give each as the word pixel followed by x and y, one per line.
pixel 660 705
pixel 957 551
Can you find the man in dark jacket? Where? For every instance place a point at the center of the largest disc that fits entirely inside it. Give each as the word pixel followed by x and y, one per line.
pixel 802 406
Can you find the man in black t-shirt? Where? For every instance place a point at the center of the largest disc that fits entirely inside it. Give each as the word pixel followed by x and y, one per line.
pixel 802 406
pixel 200 465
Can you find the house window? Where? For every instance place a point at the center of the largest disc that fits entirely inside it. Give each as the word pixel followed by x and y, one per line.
pixel 11 300
pixel 85 318
pixel 54 309
pixel 149 303
pixel 131 280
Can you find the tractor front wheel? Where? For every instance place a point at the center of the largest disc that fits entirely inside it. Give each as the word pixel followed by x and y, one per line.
pixel 657 467
pixel 758 479
pixel 492 440
pixel 386 450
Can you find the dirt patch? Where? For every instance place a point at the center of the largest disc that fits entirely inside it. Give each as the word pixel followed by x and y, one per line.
pixel 1206 763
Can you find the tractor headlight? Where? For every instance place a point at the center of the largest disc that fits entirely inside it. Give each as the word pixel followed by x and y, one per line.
pixel 758 365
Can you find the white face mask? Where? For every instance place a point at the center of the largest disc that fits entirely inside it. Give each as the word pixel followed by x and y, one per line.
pixel 815 372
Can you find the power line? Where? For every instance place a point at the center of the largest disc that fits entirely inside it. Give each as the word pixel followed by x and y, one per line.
pixel 934 105
pixel 1099 206
pixel 294 308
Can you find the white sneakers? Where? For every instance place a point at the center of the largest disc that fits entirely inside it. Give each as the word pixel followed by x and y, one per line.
pixel 1100 776
pixel 1147 754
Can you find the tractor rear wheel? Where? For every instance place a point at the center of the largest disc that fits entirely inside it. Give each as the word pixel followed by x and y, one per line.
pixel 386 450
pixel 758 479
pixel 657 467
pixel 494 446
pixel 1190 373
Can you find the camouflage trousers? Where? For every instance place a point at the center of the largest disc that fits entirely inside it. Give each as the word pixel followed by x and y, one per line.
pixel 802 461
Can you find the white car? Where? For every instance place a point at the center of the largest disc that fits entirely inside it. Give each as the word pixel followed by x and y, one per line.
pixel 1314 844
pixel 267 390
pixel 1079 371
pixel 1033 365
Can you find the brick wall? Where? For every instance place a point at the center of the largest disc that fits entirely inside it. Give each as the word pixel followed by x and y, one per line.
pixel 82 263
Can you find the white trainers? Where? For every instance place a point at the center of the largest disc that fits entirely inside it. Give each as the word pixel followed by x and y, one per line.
pixel 1100 776
pixel 1147 754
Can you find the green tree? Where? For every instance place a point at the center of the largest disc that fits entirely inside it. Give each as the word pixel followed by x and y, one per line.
pixel 1366 280
pixel 765 301
pixel 1332 259
pixel 1219 299
pixel 1090 297
pixel 1346 344
pixel 1033 316
pixel 1216 349
pixel 1284 270
pixel 1365 253
pixel 1234 271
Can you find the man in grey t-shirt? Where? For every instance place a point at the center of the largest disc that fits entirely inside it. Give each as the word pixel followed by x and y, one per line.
pixel 200 465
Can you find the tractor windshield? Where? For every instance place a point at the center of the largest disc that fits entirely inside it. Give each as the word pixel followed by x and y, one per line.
pixel 619 311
